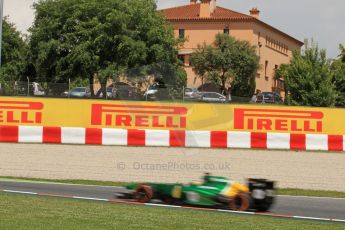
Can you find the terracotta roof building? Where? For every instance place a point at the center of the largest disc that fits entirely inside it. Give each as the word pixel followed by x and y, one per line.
pixel 200 21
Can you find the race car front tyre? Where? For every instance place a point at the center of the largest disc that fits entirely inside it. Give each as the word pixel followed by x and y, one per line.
pixel 240 202
pixel 143 193
pixel 169 200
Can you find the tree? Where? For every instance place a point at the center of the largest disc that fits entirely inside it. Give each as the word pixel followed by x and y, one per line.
pixel 73 39
pixel 342 52
pixel 13 54
pixel 308 78
pixel 280 73
pixel 228 63
pixel 338 69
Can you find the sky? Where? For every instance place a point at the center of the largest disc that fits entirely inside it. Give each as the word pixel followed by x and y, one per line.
pixel 321 20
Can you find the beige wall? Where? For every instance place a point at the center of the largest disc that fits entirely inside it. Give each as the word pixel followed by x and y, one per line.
pixel 275 54
pixel 313 170
pixel 199 32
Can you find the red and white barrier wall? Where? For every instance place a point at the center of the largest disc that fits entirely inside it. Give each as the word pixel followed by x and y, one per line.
pixel 42 120
pixel 171 138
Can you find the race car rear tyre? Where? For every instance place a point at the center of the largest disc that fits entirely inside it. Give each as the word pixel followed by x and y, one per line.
pixel 240 202
pixel 263 207
pixel 143 193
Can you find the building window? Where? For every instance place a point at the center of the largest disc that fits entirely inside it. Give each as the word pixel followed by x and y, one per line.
pixel 189 60
pixel 280 84
pixel 266 66
pixel 226 30
pixel 181 58
pixel 181 33
pixel 259 41
pixel 275 82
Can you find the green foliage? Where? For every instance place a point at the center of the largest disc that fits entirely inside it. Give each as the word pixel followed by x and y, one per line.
pixel 338 69
pixel 308 78
pixel 174 77
pixel 80 39
pixel 229 62
pixel 13 53
pixel 281 72
pixel 79 82
pixel 342 52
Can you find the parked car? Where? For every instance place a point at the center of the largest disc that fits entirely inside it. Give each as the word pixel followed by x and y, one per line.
pixel 157 92
pixel 127 93
pixel 122 91
pixel 191 93
pixel 151 91
pixel 111 92
pixel 212 97
pixel 79 92
pixel 269 97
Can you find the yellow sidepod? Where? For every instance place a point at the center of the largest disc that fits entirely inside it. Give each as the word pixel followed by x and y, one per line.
pixel 235 189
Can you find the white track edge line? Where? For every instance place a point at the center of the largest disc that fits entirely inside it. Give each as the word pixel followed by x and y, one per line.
pixel 89 198
pixel 230 211
pixel 21 192
pixel 312 218
pixel 338 220
pixel 163 205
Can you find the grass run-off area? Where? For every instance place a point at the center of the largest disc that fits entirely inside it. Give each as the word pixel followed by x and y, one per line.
pixel 281 191
pixel 32 212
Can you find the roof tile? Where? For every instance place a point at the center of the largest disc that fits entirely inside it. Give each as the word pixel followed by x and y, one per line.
pixel 192 12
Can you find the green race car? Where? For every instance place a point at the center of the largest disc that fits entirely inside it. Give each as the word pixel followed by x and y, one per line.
pixel 214 191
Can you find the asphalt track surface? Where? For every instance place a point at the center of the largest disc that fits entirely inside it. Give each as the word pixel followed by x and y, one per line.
pixel 314 207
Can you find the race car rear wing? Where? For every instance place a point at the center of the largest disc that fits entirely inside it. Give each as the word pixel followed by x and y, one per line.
pixel 262 184
pixel 262 193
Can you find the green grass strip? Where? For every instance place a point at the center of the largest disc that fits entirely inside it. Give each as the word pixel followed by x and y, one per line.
pixel 72 181
pixel 33 212
pixel 314 193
